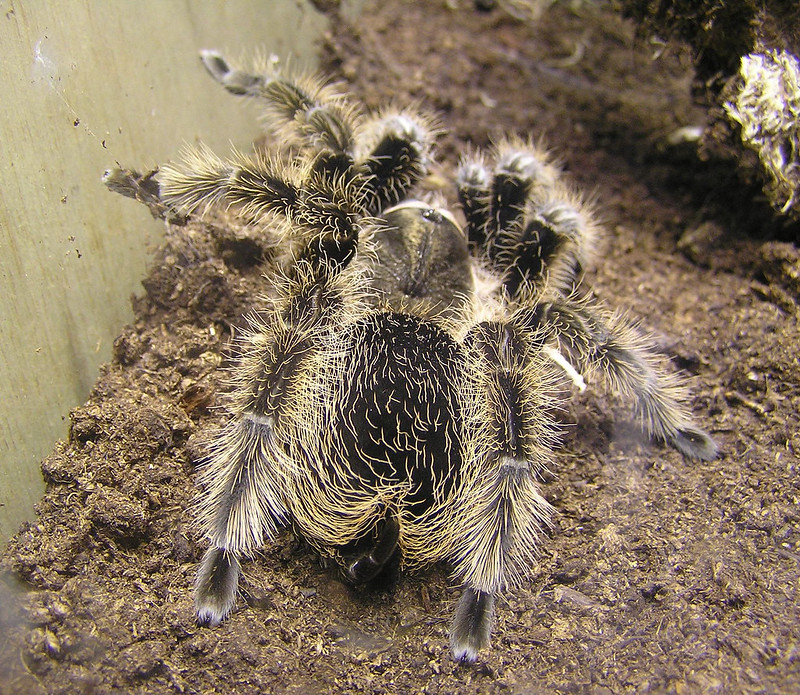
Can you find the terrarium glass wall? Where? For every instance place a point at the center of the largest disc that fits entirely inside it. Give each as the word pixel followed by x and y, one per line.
pixel 86 85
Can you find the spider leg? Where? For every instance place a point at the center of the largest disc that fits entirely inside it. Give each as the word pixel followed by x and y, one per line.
pixel 533 230
pixel 389 152
pixel 348 166
pixel 475 195
pixel 509 393
pixel 250 472
pixel 605 342
pixel 538 235
pixel 323 215
pixel 472 624
pixel 242 505
pixel 258 185
pixel 394 154
pixel 305 110
pixel 392 149
pixel 319 191
pixel 215 586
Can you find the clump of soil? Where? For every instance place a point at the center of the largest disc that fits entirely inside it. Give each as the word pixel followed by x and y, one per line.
pixel 662 574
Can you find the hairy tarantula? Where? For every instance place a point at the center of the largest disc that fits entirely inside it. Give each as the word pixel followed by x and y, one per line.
pixel 399 395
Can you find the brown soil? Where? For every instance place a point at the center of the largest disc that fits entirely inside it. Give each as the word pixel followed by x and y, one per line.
pixel 661 575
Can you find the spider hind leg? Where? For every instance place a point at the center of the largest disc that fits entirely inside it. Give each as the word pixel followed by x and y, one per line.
pixel 508 439
pixel 215 586
pixel 472 624
pixel 251 470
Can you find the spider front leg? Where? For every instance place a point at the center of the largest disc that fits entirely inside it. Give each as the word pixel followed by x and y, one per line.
pixel 330 164
pixel 538 235
pixel 510 392
pixel 304 111
pixel 389 152
pixel 533 230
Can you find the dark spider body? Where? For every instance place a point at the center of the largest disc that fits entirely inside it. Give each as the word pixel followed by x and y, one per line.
pixel 398 398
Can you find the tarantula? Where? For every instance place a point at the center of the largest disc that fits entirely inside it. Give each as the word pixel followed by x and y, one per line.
pixel 399 397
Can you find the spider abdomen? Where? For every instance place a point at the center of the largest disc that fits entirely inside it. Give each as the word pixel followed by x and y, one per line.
pixel 390 457
pixel 399 417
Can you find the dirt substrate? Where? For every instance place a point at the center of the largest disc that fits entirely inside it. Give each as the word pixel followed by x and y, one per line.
pixel 661 574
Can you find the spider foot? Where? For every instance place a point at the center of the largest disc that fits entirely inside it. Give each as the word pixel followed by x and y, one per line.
pixel 472 625
pixel 145 189
pixel 694 443
pixel 215 586
pixel 235 81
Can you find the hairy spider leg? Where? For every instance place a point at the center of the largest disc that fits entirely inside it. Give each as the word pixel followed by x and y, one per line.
pixel 510 390
pixel 539 235
pixel 337 180
pixel 494 200
pixel 348 165
pixel 607 343
pixel 250 468
pixel 471 627
pixel 474 195
pixel 249 473
pixel 389 151
pixel 394 153
pixel 324 215
pixel 306 110
pixel 534 231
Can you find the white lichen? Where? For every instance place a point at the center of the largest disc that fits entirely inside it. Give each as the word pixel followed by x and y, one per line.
pixel 767 108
